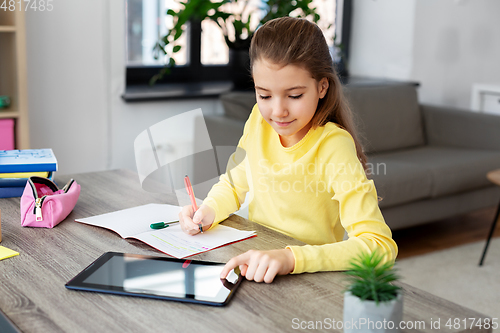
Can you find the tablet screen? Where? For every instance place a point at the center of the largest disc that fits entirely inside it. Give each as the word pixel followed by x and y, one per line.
pixel 157 277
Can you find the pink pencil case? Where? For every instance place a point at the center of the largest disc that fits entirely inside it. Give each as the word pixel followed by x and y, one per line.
pixel 44 205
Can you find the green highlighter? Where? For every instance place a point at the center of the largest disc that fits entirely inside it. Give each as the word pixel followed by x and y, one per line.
pixel 162 225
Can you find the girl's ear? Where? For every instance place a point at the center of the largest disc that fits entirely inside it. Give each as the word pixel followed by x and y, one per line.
pixel 323 85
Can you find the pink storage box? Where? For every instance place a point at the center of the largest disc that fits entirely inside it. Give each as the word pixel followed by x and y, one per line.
pixel 6 134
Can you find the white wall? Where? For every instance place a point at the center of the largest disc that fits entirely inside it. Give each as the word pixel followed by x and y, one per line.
pixel 76 75
pixel 382 38
pixel 456 44
pixel 66 86
pixel 446 45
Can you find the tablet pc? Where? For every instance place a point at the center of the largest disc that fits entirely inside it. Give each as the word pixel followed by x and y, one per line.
pixel 158 277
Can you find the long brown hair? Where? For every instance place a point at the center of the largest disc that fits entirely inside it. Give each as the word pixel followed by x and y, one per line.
pixel 289 40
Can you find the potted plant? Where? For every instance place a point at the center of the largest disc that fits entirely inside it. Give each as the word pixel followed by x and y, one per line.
pixel 371 300
pixel 236 26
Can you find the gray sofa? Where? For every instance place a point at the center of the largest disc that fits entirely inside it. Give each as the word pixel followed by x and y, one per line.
pixel 427 162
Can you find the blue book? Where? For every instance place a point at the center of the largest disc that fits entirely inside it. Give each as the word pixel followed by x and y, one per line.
pixel 11 192
pixel 27 160
pixel 13 182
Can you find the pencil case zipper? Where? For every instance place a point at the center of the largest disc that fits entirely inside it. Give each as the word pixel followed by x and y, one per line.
pixel 37 210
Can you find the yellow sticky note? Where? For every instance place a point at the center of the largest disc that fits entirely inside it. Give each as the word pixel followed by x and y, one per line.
pixel 7 253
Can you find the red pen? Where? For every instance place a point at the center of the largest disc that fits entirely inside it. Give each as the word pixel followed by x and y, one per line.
pixel 190 192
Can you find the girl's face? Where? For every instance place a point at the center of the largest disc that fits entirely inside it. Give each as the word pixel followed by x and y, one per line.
pixel 287 98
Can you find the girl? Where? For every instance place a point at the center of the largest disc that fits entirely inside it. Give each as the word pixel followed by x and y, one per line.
pixel 302 163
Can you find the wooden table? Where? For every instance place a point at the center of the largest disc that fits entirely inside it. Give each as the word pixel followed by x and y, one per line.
pixel 33 296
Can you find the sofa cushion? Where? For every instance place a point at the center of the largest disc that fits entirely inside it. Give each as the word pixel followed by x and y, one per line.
pixel 238 105
pixel 451 170
pixel 387 117
pixel 399 182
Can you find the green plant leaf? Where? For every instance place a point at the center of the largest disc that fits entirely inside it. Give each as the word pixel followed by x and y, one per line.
pixel 238 26
pixel 371 278
pixel 178 34
pixel 176 48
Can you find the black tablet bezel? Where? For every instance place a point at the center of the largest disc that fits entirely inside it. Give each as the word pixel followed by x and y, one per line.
pixel 77 283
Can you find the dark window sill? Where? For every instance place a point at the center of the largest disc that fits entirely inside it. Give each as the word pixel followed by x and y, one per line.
pixel 169 91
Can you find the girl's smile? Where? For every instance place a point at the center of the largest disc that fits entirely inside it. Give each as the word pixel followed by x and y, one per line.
pixel 283 124
pixel 287 97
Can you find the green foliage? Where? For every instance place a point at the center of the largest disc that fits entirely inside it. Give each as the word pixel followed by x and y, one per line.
pixel 371 278
pixel 199 10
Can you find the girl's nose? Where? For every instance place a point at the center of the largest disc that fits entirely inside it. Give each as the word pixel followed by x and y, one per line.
pixel 280 109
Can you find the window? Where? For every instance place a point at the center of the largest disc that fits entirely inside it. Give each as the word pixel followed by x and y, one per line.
pixel 146 22
pixel 204 55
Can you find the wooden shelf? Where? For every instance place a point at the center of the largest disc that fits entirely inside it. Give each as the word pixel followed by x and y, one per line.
pixel 8 18
pixel 6 113
pixel 13 72
pixel 7 28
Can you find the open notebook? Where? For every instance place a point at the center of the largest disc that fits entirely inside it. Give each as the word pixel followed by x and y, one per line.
pixel 135 223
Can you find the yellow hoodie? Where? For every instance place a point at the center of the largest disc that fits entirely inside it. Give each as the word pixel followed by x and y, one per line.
pixel 311 191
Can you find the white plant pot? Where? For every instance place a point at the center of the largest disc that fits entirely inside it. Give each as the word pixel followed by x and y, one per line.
pixel 367 316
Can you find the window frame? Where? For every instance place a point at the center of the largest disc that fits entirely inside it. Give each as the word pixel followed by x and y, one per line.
pixel 195 73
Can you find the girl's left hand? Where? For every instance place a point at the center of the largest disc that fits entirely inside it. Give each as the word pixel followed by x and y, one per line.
pixel 261 265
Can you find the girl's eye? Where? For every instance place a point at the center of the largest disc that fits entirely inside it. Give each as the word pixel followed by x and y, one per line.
pixel 296 96
pixel 264 97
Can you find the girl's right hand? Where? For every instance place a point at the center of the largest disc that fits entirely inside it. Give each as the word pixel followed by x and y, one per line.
pixel 189 220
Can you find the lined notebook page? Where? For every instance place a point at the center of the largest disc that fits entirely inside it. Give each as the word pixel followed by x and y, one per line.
pixel 135 223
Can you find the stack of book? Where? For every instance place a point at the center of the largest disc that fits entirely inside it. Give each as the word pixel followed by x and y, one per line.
pixel 16 166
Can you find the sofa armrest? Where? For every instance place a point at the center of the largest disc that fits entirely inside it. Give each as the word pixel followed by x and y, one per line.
pixel 459 128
